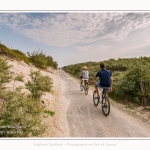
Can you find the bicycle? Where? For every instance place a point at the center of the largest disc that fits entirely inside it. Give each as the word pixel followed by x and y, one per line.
pixel 84 86
pixel 104 101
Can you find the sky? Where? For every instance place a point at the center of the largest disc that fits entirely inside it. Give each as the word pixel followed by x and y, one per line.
pixel 75 37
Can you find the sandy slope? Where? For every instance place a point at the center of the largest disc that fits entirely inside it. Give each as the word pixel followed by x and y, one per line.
pixel 55 101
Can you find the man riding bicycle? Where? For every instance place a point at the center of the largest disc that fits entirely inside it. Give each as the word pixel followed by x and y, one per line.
pixel 84 75
pixel 105 77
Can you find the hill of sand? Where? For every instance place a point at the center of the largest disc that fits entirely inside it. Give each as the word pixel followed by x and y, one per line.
pixel 54 101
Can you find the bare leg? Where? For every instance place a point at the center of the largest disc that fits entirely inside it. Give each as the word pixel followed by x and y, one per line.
pixel 106 95
pixel 87 83
pixel 105 101
pixel 81 82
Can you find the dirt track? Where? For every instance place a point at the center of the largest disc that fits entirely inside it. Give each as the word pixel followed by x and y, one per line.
pixel 86 120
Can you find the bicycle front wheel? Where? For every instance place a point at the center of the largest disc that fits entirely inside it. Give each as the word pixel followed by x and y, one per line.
pixel 105 106
pixel 95 99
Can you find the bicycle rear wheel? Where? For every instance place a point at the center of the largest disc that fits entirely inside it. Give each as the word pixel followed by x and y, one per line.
pixel 81 87
pixel 86 90
pixel 105 106
pixel 95 99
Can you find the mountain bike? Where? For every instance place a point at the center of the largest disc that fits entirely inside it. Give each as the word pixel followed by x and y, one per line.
pixel 84 86
pixel 103 100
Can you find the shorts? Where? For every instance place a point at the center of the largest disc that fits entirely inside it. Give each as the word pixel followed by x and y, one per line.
pixel 85 79
pixel 106 89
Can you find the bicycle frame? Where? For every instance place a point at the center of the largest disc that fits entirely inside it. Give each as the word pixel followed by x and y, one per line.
pixel 101 93
pixel 85 87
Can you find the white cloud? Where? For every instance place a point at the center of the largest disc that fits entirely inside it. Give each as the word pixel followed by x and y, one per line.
pixel 75 28
pixel 141 46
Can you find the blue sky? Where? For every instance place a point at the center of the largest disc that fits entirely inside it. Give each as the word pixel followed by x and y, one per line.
pixel 75 37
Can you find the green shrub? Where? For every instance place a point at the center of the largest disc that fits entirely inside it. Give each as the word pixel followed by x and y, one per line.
pixel 128 73
pixel 20 55
pixel 38 84
pixel 19 78
pixel 15 54
pixel 40 60
pixel 6 51
pixel 4 72
pixel 127 84
pixel 51 113
pixel 20 116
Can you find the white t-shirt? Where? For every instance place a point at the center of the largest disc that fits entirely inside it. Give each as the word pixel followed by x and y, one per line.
pixel 85 74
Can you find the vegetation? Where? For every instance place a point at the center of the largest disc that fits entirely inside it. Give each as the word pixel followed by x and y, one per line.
pixel 4 72
pixel 131 77
pixel 40 60
pixel 51 113
pixel 38 84
pixel 12 53
pixel 19 77
pixel 21 115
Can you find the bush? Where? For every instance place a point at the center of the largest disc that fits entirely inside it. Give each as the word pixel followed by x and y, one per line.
pixel 51 113
pixel 6 51
pixel 4 72
pixel 12 53
pixel 40 60
pixel 128 74
pixel 20 116
pixel 38 84
pixel 20 55
pixel 19 78
pixel 127 84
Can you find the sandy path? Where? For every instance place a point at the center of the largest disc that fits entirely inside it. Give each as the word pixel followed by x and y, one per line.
pixel 86 120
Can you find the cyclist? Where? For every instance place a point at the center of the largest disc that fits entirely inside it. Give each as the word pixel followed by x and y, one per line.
pixel 105 77
pixel 84 75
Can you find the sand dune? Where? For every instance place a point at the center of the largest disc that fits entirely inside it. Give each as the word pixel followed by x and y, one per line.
pixel 55 101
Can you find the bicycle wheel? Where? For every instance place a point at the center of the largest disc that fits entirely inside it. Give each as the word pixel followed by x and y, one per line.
pixel 105 106
pixel 95 100
pixel 86 90
pixel 81 87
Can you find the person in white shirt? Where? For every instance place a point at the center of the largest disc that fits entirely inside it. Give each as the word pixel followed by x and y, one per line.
pixel 84 75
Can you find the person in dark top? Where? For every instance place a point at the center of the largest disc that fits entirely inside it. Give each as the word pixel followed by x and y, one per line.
pixel 105 77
